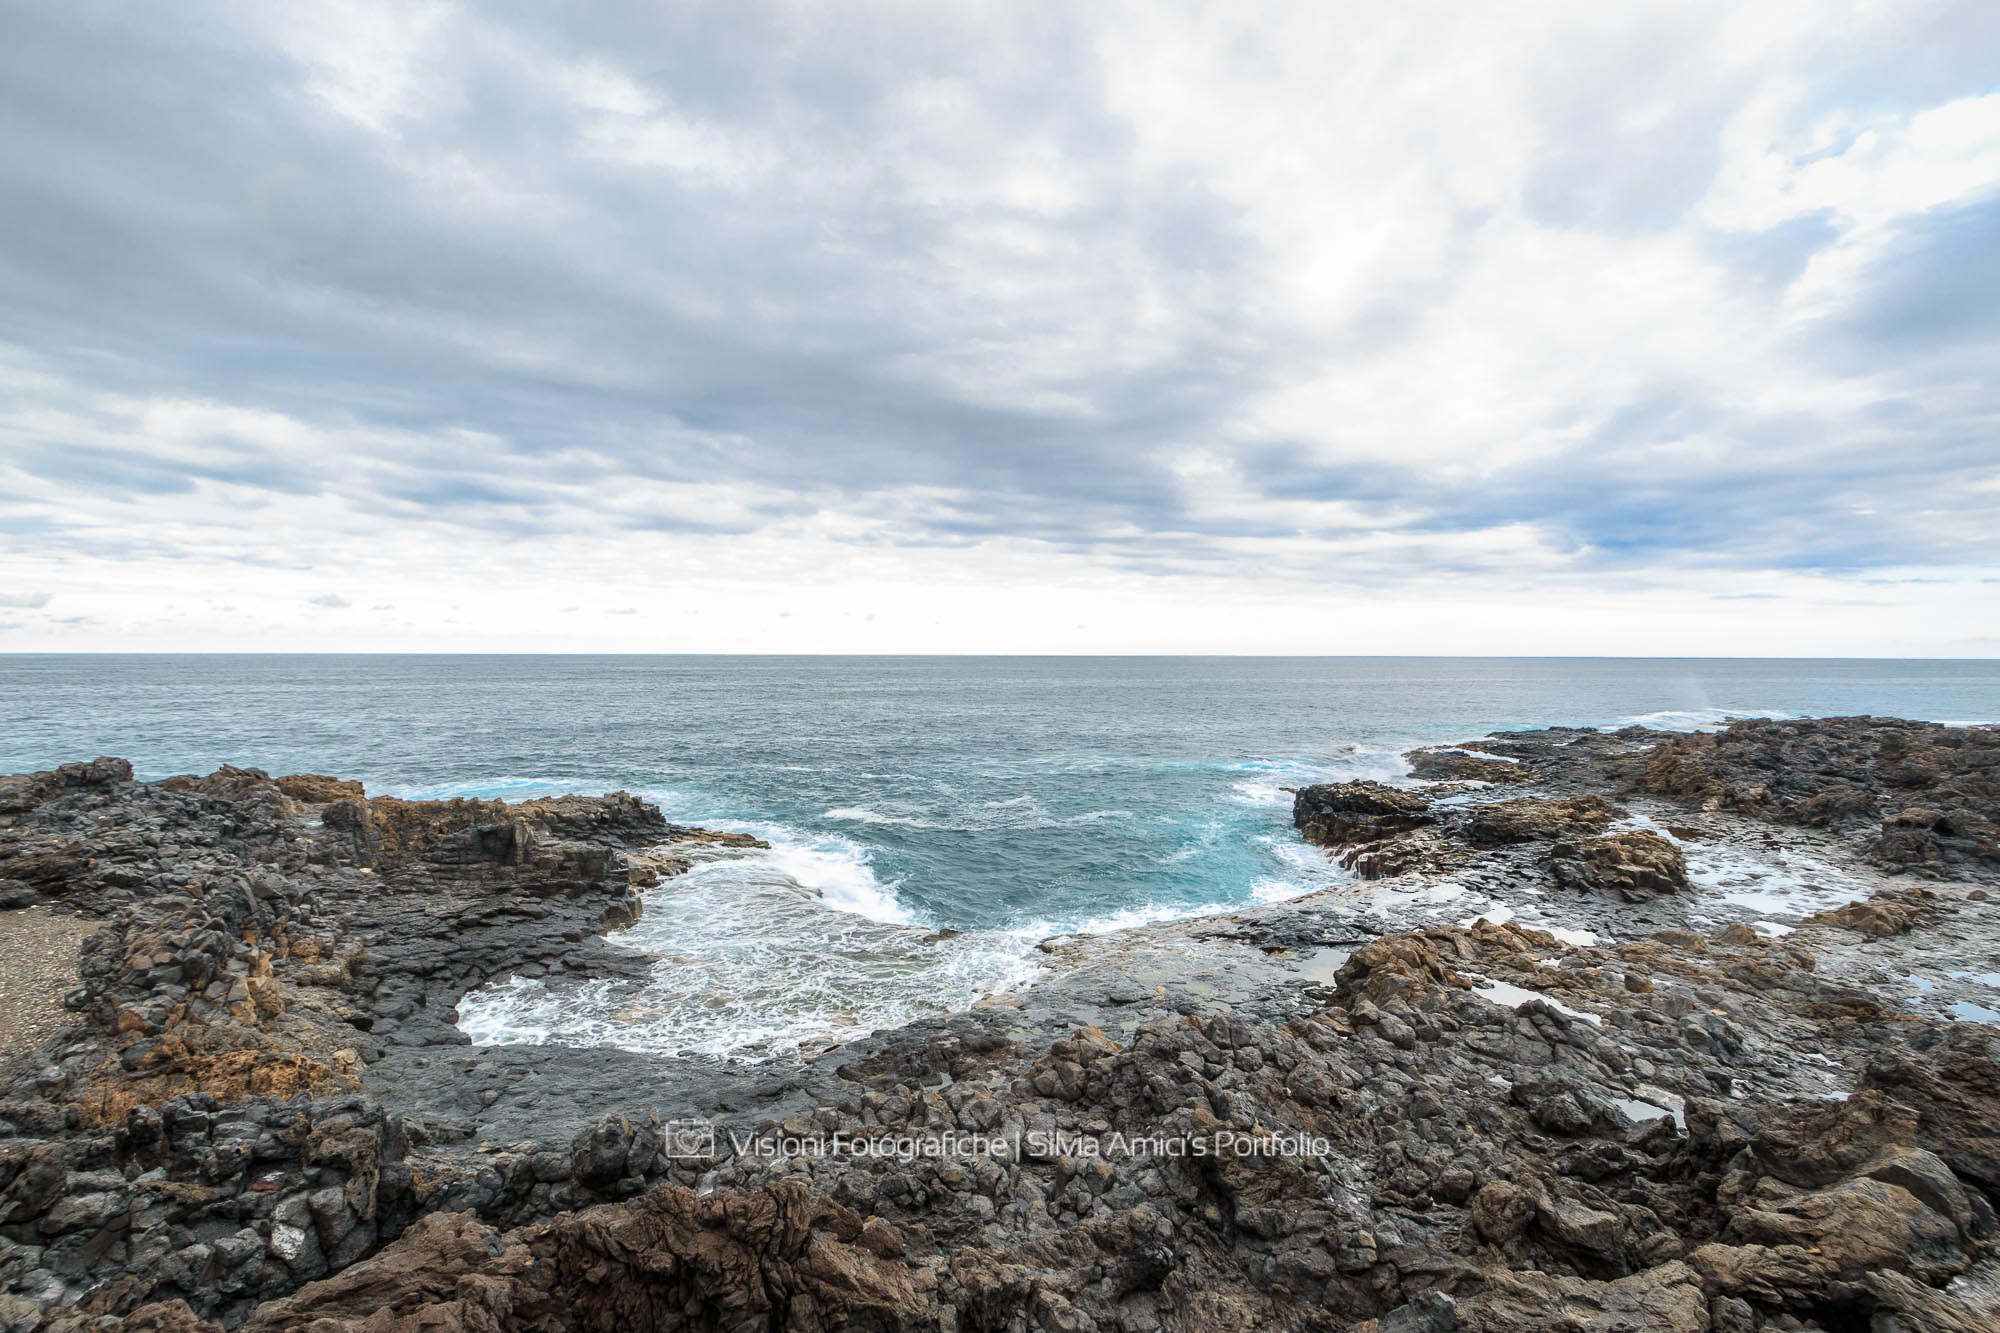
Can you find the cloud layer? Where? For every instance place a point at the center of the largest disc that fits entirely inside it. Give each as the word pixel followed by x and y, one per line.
pixel 975 327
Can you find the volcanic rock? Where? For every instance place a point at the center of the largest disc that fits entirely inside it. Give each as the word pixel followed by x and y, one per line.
pixel 1635 865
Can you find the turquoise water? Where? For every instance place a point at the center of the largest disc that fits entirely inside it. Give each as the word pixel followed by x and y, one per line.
pixel 1007 798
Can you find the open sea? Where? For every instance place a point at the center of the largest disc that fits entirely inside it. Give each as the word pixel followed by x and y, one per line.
pixel 931 818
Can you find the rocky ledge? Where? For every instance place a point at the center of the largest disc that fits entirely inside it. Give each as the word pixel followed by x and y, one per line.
pixel 1389 1115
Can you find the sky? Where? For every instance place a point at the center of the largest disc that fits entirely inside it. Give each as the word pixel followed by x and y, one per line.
pixel 1239 328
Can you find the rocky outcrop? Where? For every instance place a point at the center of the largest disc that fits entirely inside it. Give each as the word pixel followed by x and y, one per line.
pixel 1471 1167
pixel 1467 764
pixel 1361 822
pixel 1932 793
pixel 200 1134
pixel 1459 1127
pixel 1635 866
pixel 1893 912
pixel 1538 819
pixel 24 791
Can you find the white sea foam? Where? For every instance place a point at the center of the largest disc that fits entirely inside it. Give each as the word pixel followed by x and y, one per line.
pixel 505 788
pixel 1021 812
pixel 1698 719
pixel 859 815
pixel 839 872
pixel 761 953
pixel 1271 781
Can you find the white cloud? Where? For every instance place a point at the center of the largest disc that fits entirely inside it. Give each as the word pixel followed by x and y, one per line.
pixel 1152 326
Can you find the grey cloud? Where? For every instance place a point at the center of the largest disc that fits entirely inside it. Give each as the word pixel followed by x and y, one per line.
pixel 32 601
pixel 498 313
pixel 331 600
pixel 1935 291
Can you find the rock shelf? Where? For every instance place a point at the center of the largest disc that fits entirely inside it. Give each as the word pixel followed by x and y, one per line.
pixel 1360 1109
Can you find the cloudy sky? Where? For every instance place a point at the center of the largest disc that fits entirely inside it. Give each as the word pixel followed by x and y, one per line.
pixel 1312 327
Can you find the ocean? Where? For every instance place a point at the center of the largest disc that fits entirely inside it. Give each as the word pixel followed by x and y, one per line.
pixel 930 818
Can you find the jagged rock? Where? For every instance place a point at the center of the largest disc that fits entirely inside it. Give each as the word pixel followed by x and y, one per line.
pixel 1636 866
pixel 1886 914
pixel 1666 1299
pixel 1454 764
pixel 672 1260
pixel 1511 1133
pixel 319 789
pixel 1343 814
pixel 1502 1210
pixel 24 791
pixel 1538 818
pixel 1935 790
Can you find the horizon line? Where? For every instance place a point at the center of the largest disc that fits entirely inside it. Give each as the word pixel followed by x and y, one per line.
pixel 1323 657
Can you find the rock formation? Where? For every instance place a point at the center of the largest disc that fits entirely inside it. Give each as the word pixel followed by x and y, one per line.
pixel 265 1118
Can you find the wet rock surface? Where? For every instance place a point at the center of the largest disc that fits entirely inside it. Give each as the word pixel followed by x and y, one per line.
pixel 1295 1117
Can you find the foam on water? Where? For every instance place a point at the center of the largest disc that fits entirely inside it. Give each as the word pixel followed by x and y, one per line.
pixel 1021 812
pixel 755 962
pixel 507 788
pixel 1781 879
pixel 1698 719
pixel 1270 782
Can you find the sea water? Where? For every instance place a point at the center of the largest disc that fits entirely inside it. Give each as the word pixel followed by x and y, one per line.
pixel 930 818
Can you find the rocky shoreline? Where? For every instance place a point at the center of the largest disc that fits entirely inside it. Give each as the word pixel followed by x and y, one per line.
pixel 1666 1108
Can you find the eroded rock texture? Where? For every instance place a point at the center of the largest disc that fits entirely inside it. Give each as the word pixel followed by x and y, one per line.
pixel 1463 1126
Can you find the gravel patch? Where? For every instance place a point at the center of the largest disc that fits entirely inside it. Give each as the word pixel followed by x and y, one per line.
pixel 38 949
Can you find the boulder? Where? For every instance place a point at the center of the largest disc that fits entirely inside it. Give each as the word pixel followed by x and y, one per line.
pixel 1342 814
pixel 1538 818
pixel 1636 865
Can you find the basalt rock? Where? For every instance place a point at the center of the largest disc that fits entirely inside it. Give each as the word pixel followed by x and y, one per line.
pixel 1459 1127
pixel 1894 912
pixel 1463 764
pixel 1635 866
pixel 1363 824
pixel 1538 818
pixel 1931 792
pixel 1340 814
pixel 201 1135
pixel 24 791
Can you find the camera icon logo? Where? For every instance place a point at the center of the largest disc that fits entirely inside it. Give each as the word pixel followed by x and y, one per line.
pixel 690 1138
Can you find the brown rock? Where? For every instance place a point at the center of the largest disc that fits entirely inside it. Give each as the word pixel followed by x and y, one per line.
pixel 1858 1226
pixel 1636 865
pixel 1665 1299
pixel 1538 817
pixel 319 789
pixel 1501 1210
pixel 1891 912
pixel 1453 764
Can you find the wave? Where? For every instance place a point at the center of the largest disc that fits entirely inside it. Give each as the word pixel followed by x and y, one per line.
pixel 754 965
pixel 840 874
pixel 1123 918
pixel 860 815
pixel 1269 782
pixel 508 788
pixel 1699 719
pixel 1020 812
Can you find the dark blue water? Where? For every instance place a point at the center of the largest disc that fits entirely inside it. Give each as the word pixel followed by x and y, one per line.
pixel 970 792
